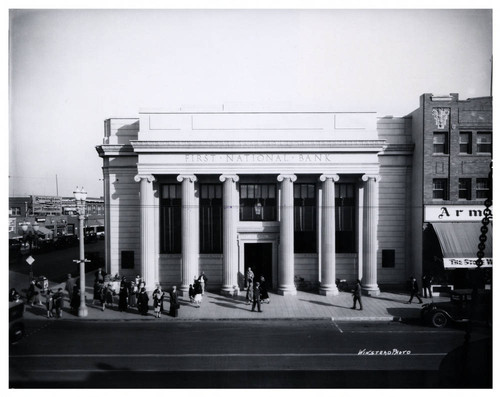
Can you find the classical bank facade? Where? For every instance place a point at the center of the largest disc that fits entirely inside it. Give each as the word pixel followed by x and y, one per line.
pixel 303 198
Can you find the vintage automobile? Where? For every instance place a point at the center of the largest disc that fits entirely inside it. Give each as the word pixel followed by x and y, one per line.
pixel 16 324
pixel 460 309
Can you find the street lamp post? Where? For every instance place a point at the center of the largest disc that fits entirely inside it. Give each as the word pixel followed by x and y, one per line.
pixel 80 197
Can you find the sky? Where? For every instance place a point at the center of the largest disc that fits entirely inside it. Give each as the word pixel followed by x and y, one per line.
pixel 69 70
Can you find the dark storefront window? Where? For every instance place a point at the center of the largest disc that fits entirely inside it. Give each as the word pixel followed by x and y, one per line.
pixel 210 218
pixel 170 219
pixel 345 218
pixel 304 195
pixel 257 202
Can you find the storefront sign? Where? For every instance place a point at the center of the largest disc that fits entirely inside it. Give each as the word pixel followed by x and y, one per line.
pixel 47 205
pixel 456 213
pixel 260 158
pixel 465 263
pixel 12 224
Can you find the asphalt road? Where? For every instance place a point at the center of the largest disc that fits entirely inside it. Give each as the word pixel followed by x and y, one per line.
pixel 247 354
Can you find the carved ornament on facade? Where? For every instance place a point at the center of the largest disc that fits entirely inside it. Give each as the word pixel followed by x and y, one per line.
pixel 441 117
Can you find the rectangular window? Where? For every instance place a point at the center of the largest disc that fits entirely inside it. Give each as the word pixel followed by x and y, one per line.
pixel 464 188
pixel 127 258
pixel 465 143
pixel 211 218
pixel 257 202
pixel 345 229
pixel 440 189
pixel 440 142
pixel 388 258
pixel 483 140
pixel 15 211
pixel 304 197
pixel 482 188
pixel 170 219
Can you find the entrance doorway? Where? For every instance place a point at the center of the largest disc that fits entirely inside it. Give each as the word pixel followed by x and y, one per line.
pixel 259 256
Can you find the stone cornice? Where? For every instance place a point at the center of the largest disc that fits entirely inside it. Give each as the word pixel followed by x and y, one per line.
pixel 115 150
pixel 259 146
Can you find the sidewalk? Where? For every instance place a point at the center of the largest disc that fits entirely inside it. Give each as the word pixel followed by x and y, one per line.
pixel 388 306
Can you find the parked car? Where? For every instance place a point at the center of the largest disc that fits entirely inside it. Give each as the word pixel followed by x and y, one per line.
pixel 16 323
pixel 460 309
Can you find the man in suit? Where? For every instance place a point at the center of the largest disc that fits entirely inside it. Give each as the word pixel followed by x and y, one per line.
pixel 356 296
pixel 256 297
pixel 414 290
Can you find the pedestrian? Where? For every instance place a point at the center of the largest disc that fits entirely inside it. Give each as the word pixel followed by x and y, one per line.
pixel 108 292
pixel 249 296
pixel 12 295
pixel 413 287
pixel 49 303
pixel 142 302
pixel 100 275
pixel 58 302
pixel 102 295
pixel 249 277
pixel 264 295
pixel 97 292
pixel 70 284
pixel 158 296
pixel 132 294
pixel 174 302
pixel 75 299
pixel 356 296
pixel 197 293
pixel 31 293
pixel 426 285
pixel 191 293
pixel 203 281
pixel 123 297
pixel 256 297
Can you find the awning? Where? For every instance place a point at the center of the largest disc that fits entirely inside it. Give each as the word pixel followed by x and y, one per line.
pixel 459 242
pixel 45 231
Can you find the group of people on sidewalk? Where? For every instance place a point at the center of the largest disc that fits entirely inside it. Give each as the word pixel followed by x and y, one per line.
pixel 256 290
pixel 197 289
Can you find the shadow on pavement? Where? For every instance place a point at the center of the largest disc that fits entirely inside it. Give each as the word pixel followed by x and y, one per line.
pixel 323 303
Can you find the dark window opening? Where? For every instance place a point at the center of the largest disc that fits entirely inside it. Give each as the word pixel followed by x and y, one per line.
pixel 170 219
pixel 345 215
pixel 388 258
pixel 465 143
pixel 127 259
pixel 211 218
pixel 440 189
pixel 257 202
pixel 304 217
pixel 440 142
pixel 464 188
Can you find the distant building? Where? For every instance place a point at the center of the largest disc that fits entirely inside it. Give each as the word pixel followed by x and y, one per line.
pixel 451 163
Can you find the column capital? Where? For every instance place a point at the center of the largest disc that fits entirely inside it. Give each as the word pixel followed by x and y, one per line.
pixel 334 177
pixel 282 177
pixel 191 177
pixel 224 177
pixel 365 177
pixel 147 177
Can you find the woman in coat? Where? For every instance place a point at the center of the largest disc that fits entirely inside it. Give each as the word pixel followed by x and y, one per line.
pixel 142 302
pixel 250 292
pixel 122 297
pixel 264 296
pixel 158 296
pixel 174 302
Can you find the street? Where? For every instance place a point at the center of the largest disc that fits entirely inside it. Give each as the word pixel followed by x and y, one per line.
pixel 247 354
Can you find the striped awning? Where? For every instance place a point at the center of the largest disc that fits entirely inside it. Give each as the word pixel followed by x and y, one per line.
pixel 459 242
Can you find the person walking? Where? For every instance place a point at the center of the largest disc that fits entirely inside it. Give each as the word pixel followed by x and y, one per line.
pixel 191 293
pixel 142 302
pixel 250 276
pixel 101 295
pixel 263 290
pixel 414 290
pixel 70 284
pixel 197 293
pixel 49 303
pixel 174 302
pixel 58 302
pixel 31 293
pixel 123 297
pixel 203 281
pixel 108 292
pixel 100 275
pixel 426 285
pixel 249 296
pixel 356 296
pixel 158 296
pixel 256 297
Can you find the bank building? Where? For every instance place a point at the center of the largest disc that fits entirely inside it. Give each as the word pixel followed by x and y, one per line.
pixel 304 198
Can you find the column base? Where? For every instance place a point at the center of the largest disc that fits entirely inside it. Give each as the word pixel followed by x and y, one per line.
pixel 328 290
pixel 370 290
pixel 230 291
pixel 183 291
pixel 82 311
pixel 287 290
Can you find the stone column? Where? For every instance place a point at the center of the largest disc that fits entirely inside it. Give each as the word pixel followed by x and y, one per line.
pixel 149 268
pixel 286 270
pixel 370 222
pixel 190 232
pixel 229 236
pixel 328 286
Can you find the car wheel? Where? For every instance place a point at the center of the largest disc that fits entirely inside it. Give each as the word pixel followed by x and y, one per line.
pixel 439 320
